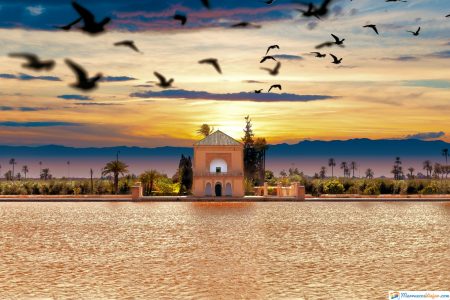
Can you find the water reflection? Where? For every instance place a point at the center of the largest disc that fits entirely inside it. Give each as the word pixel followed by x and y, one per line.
pixel 222 250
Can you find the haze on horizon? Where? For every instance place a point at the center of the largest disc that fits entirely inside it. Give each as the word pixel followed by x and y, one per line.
pixel 392 85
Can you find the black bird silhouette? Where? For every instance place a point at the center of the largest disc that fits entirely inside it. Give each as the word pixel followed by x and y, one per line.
pixel 323 9
pixel 310 12
pixel 90 25
pixel 415 33
pixel 325 44
pixel 335 61
pixel 128 43
pixel 266 58
pixel 396 1
pixel 374 27
pixel 269 2
pixel 318 54
pixel 69 26
pixel 272 47
pixel 212 61
pixel 206 4
pixel 84 82
pixel 275 86
pixel 337 40
pixel 163 82
pixel 244 25
pixel 447 16
pixel 275 71
pixel 34 62
pixel 258 91
pixel 181 18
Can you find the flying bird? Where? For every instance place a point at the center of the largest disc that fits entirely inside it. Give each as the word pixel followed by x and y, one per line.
pixel 34 62
pixel 206 4
pixel 245 25
pixel 266 58
pixel 322 10
pixel 275 71
pixel 374 27
pixel 275 86
pixel 318 54
pixel 325 44
pixel 269 2
pixel 84 82
pixel 212 61
pixel 69 26
pixel 447 16
pixel 335 61
pixel 415 33
pixel 128 43
pixel 163 82
pixel 90 25
pixel 181 18
pixel 337 40
pixel 272 47
pixel 310 12
pixel 258 91
pixel 396 1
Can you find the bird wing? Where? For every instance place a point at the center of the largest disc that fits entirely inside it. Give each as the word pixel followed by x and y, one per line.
pixel 160 77
pixel 325 44
pixel 335 37
pixel 277 67
pixel 78 70
pixel 32 58
pixel 216 65
pixel 375 28
pixel 87 16
pixel 334 57
pixel 270 88
pixel 263 59
pixel 418 29
pixel 206 4
pixel 315 53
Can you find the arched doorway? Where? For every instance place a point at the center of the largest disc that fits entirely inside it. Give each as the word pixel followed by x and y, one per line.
pixel 218 189
pixel 208 189
pixel 228 191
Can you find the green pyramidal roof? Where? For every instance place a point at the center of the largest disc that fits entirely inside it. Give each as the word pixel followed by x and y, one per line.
pixel 218 138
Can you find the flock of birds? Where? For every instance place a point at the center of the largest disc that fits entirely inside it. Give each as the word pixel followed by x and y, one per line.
pixel 93 27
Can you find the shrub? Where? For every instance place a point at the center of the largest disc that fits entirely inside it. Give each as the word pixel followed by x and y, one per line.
pixel 333 187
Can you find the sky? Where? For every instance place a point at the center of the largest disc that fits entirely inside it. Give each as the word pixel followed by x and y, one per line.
pixel 389 86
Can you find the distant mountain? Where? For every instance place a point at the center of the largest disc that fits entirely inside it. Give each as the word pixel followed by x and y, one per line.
pixel 306 155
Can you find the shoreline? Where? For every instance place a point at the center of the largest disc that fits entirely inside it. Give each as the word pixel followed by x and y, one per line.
pixel 309 198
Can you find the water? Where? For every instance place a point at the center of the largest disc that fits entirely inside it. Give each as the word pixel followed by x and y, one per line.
pixel 222 250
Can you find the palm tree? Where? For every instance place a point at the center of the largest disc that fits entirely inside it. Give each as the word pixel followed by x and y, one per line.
pixel 323 172
pixel 353 166
pixel 45 174
pixel 12 162
pixel 68 169
pixel 148 179
pixel 427 167
pixel 25 171
pixel 205 130
pixel 115 167
pixel 40 168
pixel 344 167
pixel 369 173
pixel 445 154
pixel 411 171
pixel 332 164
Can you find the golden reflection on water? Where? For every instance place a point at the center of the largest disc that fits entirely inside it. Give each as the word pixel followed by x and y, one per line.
pixel 222 250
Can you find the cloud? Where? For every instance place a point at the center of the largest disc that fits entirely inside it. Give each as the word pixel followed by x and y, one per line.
pixel 35 10
pixel 311 25
pixel 74 97
pixel 433 83
pixel 97 104
pixel 288 57
pixel 143 85
pixel 22 108
pixel 426 135
pixel 37 124
pixel 252 81
pixel 117 78
pixel 27 77
pixel 243 96
pixel 441 54
pixel 402 58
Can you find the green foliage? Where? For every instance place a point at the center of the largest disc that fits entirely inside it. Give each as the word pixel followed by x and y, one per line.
pixel 333 187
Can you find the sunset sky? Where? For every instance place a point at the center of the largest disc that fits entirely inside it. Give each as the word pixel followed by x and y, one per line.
pixel 394 85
